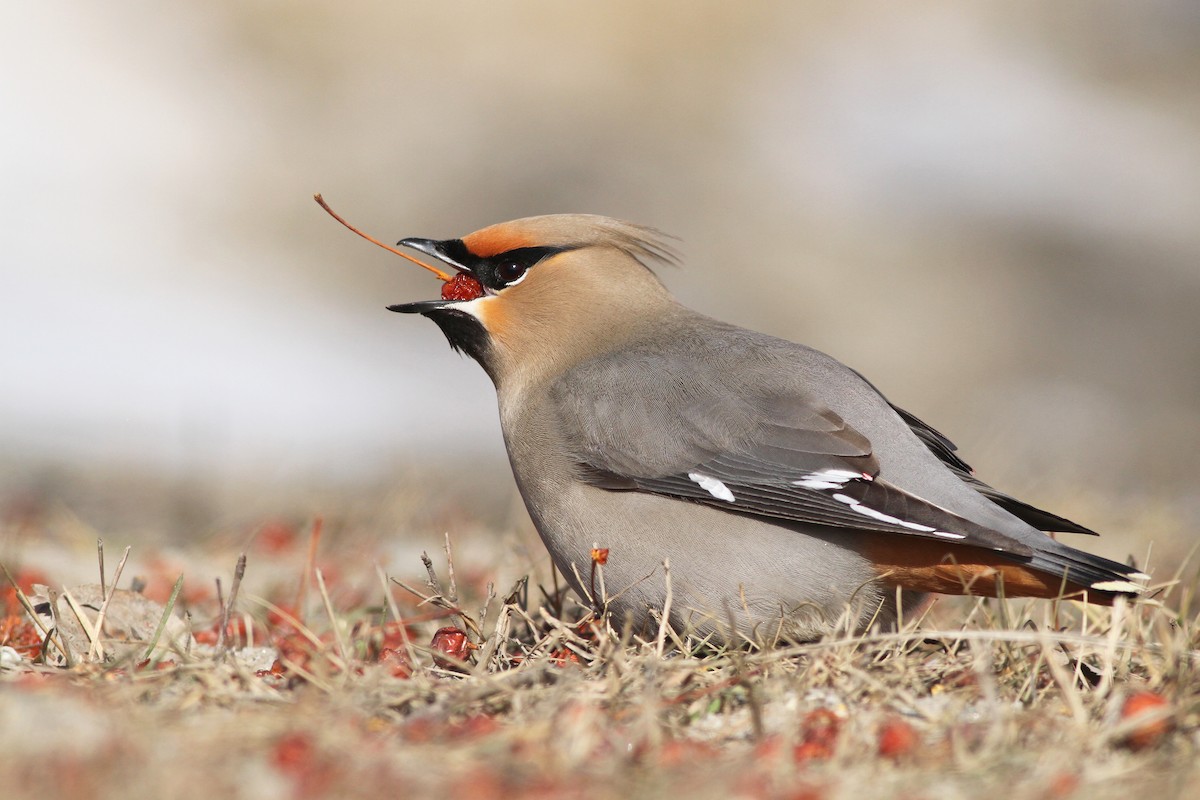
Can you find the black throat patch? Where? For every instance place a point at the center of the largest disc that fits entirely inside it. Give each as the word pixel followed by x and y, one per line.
pixel 465 334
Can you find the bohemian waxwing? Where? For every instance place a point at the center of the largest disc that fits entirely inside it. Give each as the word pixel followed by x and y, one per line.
pixel 784 490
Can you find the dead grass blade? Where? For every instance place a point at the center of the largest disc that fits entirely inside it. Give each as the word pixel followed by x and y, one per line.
pixel 166 615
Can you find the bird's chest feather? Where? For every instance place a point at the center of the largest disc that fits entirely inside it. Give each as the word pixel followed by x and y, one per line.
pixel 541 465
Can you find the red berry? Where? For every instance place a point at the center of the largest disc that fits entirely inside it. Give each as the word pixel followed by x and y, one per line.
pixel 397 662
pixel 1149 731
pixel 564 656
pixel 454 643
pixel 462 287
pixel 898 739
pixel 818 735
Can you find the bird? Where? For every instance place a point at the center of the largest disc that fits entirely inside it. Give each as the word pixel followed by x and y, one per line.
pixel 744 486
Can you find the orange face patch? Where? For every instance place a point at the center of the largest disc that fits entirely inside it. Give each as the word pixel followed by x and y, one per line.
pixel 495 240
pixel 493 315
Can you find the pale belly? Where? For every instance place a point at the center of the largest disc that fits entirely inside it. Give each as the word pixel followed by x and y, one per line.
pixel 767 581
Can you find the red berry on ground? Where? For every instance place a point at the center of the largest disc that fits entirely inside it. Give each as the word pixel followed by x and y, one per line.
pixel 818 735
pixel 454 643
pixel 897 739
pixel 396 661
pixel 1148 733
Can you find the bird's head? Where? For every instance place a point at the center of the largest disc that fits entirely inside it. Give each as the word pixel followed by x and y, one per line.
pixel 551 291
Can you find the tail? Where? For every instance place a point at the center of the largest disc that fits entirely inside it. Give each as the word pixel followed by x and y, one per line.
pixel 1053 570
pixel 1104 580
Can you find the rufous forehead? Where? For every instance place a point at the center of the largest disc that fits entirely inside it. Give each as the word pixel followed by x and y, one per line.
pixel 495 240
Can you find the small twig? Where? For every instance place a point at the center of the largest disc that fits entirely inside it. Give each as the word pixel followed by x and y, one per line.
pixel 238 573
pixel 489 644
pixel 495 644
pixel 556 601
pixel 731 633
pixel 519 594
pixel 439 598
pixel 494 647
pixel 1107 674
pixel 162 623
pixel 337 630
pixel 453 596
pixel 441 602
pixel 487 601
pixel 388 597
pixel 93 634
pixel 66 651
pixel 48 634
pixel 532 625
pixel 431 579
pixel 120 568
pixel 103 612
pixel 321 202
pixel 591 596
pixel 620 594
pixel 289 618
pixel 664 623
pixel 314 540
pixel 223 614
pixel 100 558
pixel 394 607
pixel 1068 685
pixel 597 599
pixel 561 632
pixel 553 600
pixel 424 598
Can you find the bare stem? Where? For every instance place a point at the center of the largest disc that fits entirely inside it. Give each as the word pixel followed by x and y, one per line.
pixel 166 615
pixel 238 573
pixel 100 557
pixel 453 596
pixel 665 622
pixel 66 651
pixel 93 634
pixel 96 649
pixel 314 540
pixel 337 630
pixel 439 601
pixel 442 275
pixel 431 579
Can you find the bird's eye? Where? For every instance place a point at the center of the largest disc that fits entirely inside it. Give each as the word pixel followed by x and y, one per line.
pixel 509 271
pixel 510 268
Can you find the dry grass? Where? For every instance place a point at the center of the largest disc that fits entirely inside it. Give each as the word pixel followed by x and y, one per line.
pixel 977 698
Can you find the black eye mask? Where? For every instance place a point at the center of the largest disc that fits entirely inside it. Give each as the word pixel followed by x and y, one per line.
pixel 503 269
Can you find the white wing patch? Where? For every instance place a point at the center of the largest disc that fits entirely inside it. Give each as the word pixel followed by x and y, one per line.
pixel 837 479
pixel 866 511
pixel 1120 586
pixel 712 486
pixel 829 479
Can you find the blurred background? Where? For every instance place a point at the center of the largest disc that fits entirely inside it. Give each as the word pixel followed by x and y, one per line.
pixel 992 210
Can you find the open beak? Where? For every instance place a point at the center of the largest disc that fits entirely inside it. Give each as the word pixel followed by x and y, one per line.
pixel 420 306
pixel 441 250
